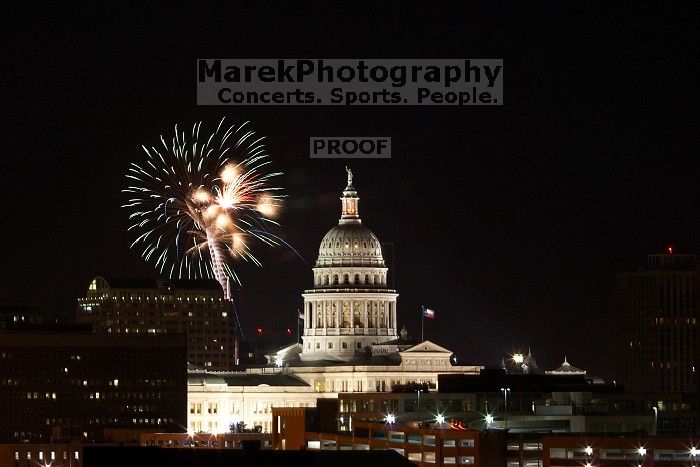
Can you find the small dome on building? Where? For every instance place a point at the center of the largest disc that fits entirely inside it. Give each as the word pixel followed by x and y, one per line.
pixel 566 369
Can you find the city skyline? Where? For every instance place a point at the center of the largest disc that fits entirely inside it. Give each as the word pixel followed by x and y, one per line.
pixel 510 222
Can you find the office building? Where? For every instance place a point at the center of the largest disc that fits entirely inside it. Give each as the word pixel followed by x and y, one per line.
pixel 196 308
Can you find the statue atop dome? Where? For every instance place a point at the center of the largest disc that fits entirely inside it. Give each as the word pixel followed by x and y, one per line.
pixel 349 175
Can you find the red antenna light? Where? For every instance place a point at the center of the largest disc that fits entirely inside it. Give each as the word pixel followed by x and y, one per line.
pixel 670 249
pixel 259 330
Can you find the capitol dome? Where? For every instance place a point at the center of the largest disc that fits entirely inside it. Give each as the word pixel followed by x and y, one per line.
pixel 350 244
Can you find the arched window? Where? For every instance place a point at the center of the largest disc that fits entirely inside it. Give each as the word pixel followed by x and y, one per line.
pixel 376 279
pixel 335 279
pixel 366 279
pixel 327 279
pixel 346 279
pixel 357 279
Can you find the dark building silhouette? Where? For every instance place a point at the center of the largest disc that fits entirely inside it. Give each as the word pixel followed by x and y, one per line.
pixel 17 314
pixel 146 306
pixel 58 386
pixel 657 312
pixel 120 456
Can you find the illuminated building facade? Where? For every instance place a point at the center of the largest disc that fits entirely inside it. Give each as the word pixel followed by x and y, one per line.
pixel 62 385
pixel 61 454
pixel 582 450
pixel 196 308
pixel 424 446
pixel 215 401
pixel 657 311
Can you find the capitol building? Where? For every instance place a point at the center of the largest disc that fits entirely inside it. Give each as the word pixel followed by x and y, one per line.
pixel 351 340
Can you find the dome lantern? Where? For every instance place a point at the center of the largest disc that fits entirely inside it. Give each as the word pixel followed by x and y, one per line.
pixel 350 201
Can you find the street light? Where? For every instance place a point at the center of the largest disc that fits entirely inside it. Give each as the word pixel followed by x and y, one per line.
pixel 505 405
pixel 588 450
pixel 440 418
pixel 656 417
pixel 418 405
pixel 489 420
pixel 390 418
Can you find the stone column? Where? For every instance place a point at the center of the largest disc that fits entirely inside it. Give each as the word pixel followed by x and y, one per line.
pixel 338 315
pixel 364 315
pixel 312 318
pixel 323 314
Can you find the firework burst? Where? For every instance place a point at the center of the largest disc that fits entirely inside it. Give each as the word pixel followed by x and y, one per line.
pixel 200 201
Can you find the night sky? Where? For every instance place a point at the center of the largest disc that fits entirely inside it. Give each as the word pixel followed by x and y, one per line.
pixel 508 221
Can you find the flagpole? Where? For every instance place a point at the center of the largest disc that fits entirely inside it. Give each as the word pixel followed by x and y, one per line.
pixel 422 317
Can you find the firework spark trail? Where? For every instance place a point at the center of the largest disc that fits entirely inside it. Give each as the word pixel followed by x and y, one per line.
pixel 198 202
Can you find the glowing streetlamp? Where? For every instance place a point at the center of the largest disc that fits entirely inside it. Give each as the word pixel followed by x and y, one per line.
pixel 489 420
pixel 190 432
pixel 505 405
pixel 440 418
pixel 390 418
pixel 588 450
pixel 642 451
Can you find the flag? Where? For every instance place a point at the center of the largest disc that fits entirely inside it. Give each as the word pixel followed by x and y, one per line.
pixel 428 313
pixel 301 315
